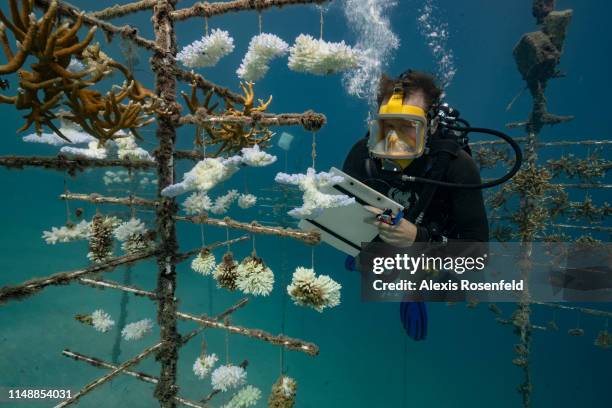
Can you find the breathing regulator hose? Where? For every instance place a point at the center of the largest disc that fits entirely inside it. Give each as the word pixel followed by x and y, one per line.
pixel 515 168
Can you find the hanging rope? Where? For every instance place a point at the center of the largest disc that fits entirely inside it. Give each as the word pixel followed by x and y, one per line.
pixel 227 238
pixel 320 22
pixel 227 334
pixel 260 20
pixel 312 258
pixel 203 347
pixel 314 148
pixel 206 24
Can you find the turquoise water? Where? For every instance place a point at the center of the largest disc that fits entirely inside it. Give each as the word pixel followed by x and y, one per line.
pixel 366 360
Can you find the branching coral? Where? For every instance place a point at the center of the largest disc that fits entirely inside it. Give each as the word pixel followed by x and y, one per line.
pixel 490 157
pixel 101 321
pixel 67 233
pixel 283 393
pixel 226 272
pixel 194 104
pixel 315 200
pixel 255 157
pixel 254 277
pixel 531 181
pixel 246 397
pixel 318 292
pixel 587 169
pixel 262 49
pixel 233 137
pixel 197 203
pixel 71 131
pixel 53 46
pixel 101 238
pixel 128 149
pixel 320 57
pixel 227 377
pixel 204 364
pixel 207 51
pixel 246 201
pixel 223 202
pixel 56 74
pixel 137 330
pixel 92 151
pixel 134 236
pixel 205 263
pixel 203 176
pixel 105 117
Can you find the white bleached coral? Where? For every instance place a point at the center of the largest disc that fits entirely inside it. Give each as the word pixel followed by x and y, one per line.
pixel 128 149
pixel 133 236
pixel 137 330
pixel 208 50
pixel 318 292
pixel 314 199
pixel 262 49
pixel 204 175
pixel 71 130
pixel 205 263
pixel 319 57
pixel 204 364
pixel 101 321
pixel 223 202
pixel 197 203
pixel 227 377
pixel 67 233
pixel 93 151
pixel 246 201
pixel 255 157
pixel 288 386
pixel 246 397
pixel 254 277
pixel 128 228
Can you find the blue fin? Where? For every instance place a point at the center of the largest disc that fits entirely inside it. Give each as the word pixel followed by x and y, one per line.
pixel 414 319
pixel 349 263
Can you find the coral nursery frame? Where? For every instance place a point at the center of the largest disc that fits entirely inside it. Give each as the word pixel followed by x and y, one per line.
pixel 527 223
pixel 167 74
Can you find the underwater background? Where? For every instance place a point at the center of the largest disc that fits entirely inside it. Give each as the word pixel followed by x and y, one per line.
pixel 366 359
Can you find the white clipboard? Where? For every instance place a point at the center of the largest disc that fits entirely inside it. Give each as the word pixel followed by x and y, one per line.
pixel 343 227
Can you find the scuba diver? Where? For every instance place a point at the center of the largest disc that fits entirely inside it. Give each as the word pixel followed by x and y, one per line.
pixel 416 153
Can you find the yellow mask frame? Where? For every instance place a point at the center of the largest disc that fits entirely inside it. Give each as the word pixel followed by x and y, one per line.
pixel 388 144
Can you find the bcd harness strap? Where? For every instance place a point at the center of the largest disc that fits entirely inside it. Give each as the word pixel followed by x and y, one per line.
pixel 442 151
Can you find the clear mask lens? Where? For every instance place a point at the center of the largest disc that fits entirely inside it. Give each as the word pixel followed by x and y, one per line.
pixel 397 138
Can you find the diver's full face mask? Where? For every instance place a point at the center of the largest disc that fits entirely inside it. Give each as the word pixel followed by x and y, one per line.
pixel 399 131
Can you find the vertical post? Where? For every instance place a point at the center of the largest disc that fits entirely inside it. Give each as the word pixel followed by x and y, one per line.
pixel 163 64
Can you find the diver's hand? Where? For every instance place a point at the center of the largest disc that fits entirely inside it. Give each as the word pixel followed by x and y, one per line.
pixel 400 235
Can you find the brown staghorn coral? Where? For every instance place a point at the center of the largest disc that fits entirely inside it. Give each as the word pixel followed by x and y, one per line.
pixel 42 89
pixel 53 45
pixel 283 393
pixel 194 104
pixel 226 272
pixel 105 116
pixel 232 137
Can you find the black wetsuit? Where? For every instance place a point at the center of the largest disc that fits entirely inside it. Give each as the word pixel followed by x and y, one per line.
pixel 454 213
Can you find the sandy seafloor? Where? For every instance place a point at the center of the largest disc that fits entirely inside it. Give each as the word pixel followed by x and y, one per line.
pixel 366 360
